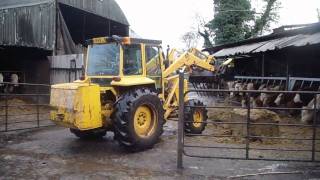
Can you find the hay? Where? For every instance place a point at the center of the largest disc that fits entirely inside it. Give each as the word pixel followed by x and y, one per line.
pixel 14 101
pixel 256 116
pixel 21 110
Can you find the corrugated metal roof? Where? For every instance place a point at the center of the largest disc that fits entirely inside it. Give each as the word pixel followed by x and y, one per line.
pixel 306 29
pixel 32 23
pixel 238 49
pixel 304 40
pixel 105 8
pixel 274 44
pixel 280 43
pixel 8 4
pixel 29 26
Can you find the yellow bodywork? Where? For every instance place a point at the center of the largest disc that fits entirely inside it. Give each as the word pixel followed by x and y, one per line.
pixel 132 81
pixel 77 105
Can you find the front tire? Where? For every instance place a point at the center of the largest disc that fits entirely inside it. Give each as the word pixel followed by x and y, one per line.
pixel 138 119
pixel 195 117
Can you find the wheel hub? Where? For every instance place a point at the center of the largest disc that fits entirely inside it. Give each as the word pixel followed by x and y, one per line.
pixel 142 118
pixel 145 121
pixel 197 118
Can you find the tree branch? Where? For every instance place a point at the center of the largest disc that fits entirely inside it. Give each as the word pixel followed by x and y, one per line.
pixel 263 21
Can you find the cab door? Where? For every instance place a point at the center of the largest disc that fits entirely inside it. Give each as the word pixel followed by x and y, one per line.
pixel 153 64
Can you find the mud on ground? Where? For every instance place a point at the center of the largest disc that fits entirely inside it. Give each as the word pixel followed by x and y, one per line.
pixel 55 153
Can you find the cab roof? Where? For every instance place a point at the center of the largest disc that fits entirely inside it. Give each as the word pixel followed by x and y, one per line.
pixel 123 40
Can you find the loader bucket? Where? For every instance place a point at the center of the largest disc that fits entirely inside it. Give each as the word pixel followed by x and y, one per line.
pixel 204 80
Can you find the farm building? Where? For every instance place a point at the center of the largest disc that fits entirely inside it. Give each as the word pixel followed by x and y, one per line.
pixel 290 53
pixel 41 40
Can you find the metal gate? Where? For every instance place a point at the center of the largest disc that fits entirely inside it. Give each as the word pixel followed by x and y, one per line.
pixel 24 106
pixel 302 149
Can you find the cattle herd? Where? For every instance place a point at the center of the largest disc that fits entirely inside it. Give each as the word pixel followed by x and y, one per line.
pixel 300 104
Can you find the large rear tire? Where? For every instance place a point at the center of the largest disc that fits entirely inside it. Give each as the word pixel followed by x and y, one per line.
pixel 89 134
pixel 138 119
pixel 195 117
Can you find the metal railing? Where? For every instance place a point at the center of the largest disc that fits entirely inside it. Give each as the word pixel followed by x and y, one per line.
pixel 248 150
pixel 290 82
pixel 25 106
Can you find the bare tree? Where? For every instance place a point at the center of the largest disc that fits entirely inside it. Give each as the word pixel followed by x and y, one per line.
pixel 190 39
pixel 204 31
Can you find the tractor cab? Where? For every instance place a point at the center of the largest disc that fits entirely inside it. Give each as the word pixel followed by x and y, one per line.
pixel 124 61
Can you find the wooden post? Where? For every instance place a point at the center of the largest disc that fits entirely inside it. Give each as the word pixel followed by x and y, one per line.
pixel 263 66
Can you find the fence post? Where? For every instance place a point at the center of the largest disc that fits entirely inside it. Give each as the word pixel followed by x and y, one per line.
pixel 38 111
pixel 314 127
pixel 6 112
pixel 181 121
pixel 248 127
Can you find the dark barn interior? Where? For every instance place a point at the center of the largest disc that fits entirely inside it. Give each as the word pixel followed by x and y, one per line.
pixel 30 64
pixel 84 25
pixel 296 62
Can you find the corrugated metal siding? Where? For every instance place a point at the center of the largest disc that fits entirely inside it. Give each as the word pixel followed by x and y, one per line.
pixel 61 71
pixel 7 4
pixel 64 76
pixel 30 26
pixel 105 8
pixel 63 61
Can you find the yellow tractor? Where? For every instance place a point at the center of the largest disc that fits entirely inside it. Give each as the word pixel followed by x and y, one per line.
pixel 130 89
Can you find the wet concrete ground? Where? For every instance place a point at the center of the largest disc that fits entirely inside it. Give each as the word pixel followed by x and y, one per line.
pixel 54 153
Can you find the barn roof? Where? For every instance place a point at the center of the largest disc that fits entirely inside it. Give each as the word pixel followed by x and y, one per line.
pixel 105 8
pixel 280 39
pixel 36 23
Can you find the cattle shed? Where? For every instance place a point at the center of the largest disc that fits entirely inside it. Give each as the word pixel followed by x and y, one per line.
pixel 290 53
pixel 42 40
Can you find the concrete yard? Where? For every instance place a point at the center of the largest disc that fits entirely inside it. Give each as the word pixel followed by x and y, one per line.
pixel 54 153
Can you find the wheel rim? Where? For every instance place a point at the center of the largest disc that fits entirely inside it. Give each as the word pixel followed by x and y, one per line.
pixel 145 121
pixel 197 118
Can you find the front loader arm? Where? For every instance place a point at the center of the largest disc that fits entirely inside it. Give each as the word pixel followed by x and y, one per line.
pixel 193 57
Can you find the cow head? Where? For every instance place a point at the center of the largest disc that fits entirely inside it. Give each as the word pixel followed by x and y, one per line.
pixel 297 98
pixel 1 79
pixel 279 99
pixel 14 79
pixel 306 115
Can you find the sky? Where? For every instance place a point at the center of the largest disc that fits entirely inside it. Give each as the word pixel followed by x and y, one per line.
pixel 168 20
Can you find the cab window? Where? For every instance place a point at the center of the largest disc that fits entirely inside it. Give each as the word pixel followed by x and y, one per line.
pixel 132 61
pixel 103 60
pixel 153 61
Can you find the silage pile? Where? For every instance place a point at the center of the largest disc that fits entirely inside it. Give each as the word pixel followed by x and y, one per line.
pixel 20 110
pixel 240 116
